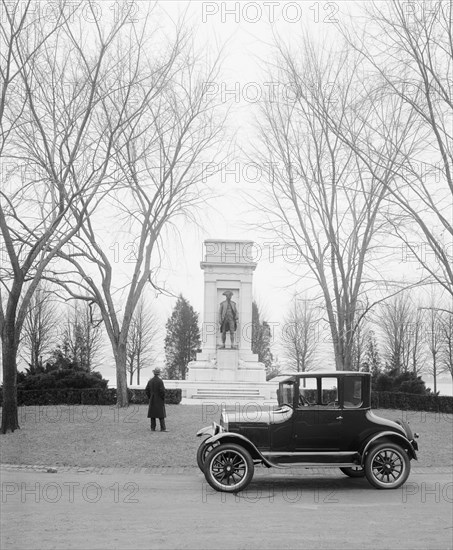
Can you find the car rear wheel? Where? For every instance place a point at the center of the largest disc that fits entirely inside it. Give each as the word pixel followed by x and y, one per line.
pixel 229 468
pixel 203 450
pixel 353 471
pixel 387 466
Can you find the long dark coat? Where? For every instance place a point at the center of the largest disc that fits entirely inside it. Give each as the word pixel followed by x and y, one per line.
pixel 155 390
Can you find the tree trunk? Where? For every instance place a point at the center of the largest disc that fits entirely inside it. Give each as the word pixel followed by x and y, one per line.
pixel 9 413
pixel 435 373
pixel 121 376
pixel 138 375
pixel 347 359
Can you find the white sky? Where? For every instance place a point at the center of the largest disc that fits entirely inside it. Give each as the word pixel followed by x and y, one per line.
pixel 247 44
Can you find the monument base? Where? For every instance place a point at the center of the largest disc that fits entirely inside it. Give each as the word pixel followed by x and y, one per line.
pixel 226 365
pixel 225 391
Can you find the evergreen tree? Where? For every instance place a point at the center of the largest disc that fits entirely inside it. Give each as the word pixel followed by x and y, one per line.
pixel 182 340
pixel 261 338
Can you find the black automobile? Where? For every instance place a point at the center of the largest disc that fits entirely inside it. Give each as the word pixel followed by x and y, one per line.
pixel 322 420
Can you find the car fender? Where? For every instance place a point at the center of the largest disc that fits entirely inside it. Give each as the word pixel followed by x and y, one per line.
pixel 389 435
pixel 229 437
pixel 211 430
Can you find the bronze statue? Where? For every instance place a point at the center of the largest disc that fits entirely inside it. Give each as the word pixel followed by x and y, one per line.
pixel 228 318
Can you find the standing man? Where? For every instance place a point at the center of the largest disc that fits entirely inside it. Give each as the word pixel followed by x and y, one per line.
pixel 228 318
pixel 155 390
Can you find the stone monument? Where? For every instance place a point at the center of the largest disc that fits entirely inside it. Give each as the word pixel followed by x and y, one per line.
pixel 226 354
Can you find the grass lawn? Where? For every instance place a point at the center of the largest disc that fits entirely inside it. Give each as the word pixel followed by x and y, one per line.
pixel 105 436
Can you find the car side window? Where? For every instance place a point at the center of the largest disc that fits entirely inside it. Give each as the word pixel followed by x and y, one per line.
pixel 352 390
pixel 329 392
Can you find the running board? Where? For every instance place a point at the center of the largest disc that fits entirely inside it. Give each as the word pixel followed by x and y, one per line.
pixel 313 464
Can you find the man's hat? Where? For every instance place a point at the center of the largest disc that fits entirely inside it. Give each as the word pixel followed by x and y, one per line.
pixel 228 293
pixel 157 370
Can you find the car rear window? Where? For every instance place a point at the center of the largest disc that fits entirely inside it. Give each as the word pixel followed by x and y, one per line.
pixel 352 390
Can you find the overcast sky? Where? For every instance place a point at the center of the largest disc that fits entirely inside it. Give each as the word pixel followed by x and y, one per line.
pixel 246 32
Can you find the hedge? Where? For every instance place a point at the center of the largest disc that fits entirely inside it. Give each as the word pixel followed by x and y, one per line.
pixel 411 401
pixel 87 396
pixel 99 396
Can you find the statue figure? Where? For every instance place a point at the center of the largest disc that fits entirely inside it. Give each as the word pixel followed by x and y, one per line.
pixel 228 318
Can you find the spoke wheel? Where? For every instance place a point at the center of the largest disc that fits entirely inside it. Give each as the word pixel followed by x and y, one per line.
pixel 229 468
pixel 203 450
pixel 387 466
pixel 353 471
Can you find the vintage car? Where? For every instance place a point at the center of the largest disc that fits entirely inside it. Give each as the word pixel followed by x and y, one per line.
pixel 323 420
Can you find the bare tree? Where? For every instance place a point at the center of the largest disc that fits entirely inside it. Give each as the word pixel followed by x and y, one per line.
pixel 36 192
pixel 446 357
pixel 300 335
pixel 158 160
pixel 141 341
pixel 435 336
pixel 410 51
pixel 402 325
pixel 82 336
pixel 319 197
pixel 394 321
pixel 57 130
pixel 359 347
pixel 39 329
pixel 416 341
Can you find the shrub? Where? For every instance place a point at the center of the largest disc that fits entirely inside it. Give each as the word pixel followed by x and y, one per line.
pixel 406 382
pixel 69 378
pixel 172 397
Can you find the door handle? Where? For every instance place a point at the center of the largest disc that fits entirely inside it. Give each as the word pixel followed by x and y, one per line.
pixel 339 418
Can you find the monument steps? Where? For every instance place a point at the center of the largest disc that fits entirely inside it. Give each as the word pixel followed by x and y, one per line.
pixel 229 393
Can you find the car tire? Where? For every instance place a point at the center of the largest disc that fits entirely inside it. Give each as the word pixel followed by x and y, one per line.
pixel 387 466
pixel 228 468
pixel 353 471
pixel 203 451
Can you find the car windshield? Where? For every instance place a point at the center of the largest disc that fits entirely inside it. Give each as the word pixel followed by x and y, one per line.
pixel 285 393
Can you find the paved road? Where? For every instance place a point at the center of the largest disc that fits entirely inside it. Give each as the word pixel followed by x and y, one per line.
pixel 175 508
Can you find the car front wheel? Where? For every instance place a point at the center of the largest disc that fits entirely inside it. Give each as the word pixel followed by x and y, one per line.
pixel 228 468
pixel 387 466
pixel 203 450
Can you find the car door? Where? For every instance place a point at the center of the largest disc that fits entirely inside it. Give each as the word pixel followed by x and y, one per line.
pixel 355 424
pixel 281 433
pixel 317 418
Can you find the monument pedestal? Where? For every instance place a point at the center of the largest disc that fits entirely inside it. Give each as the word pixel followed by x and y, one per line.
pixel 226 365
pixel 232 371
